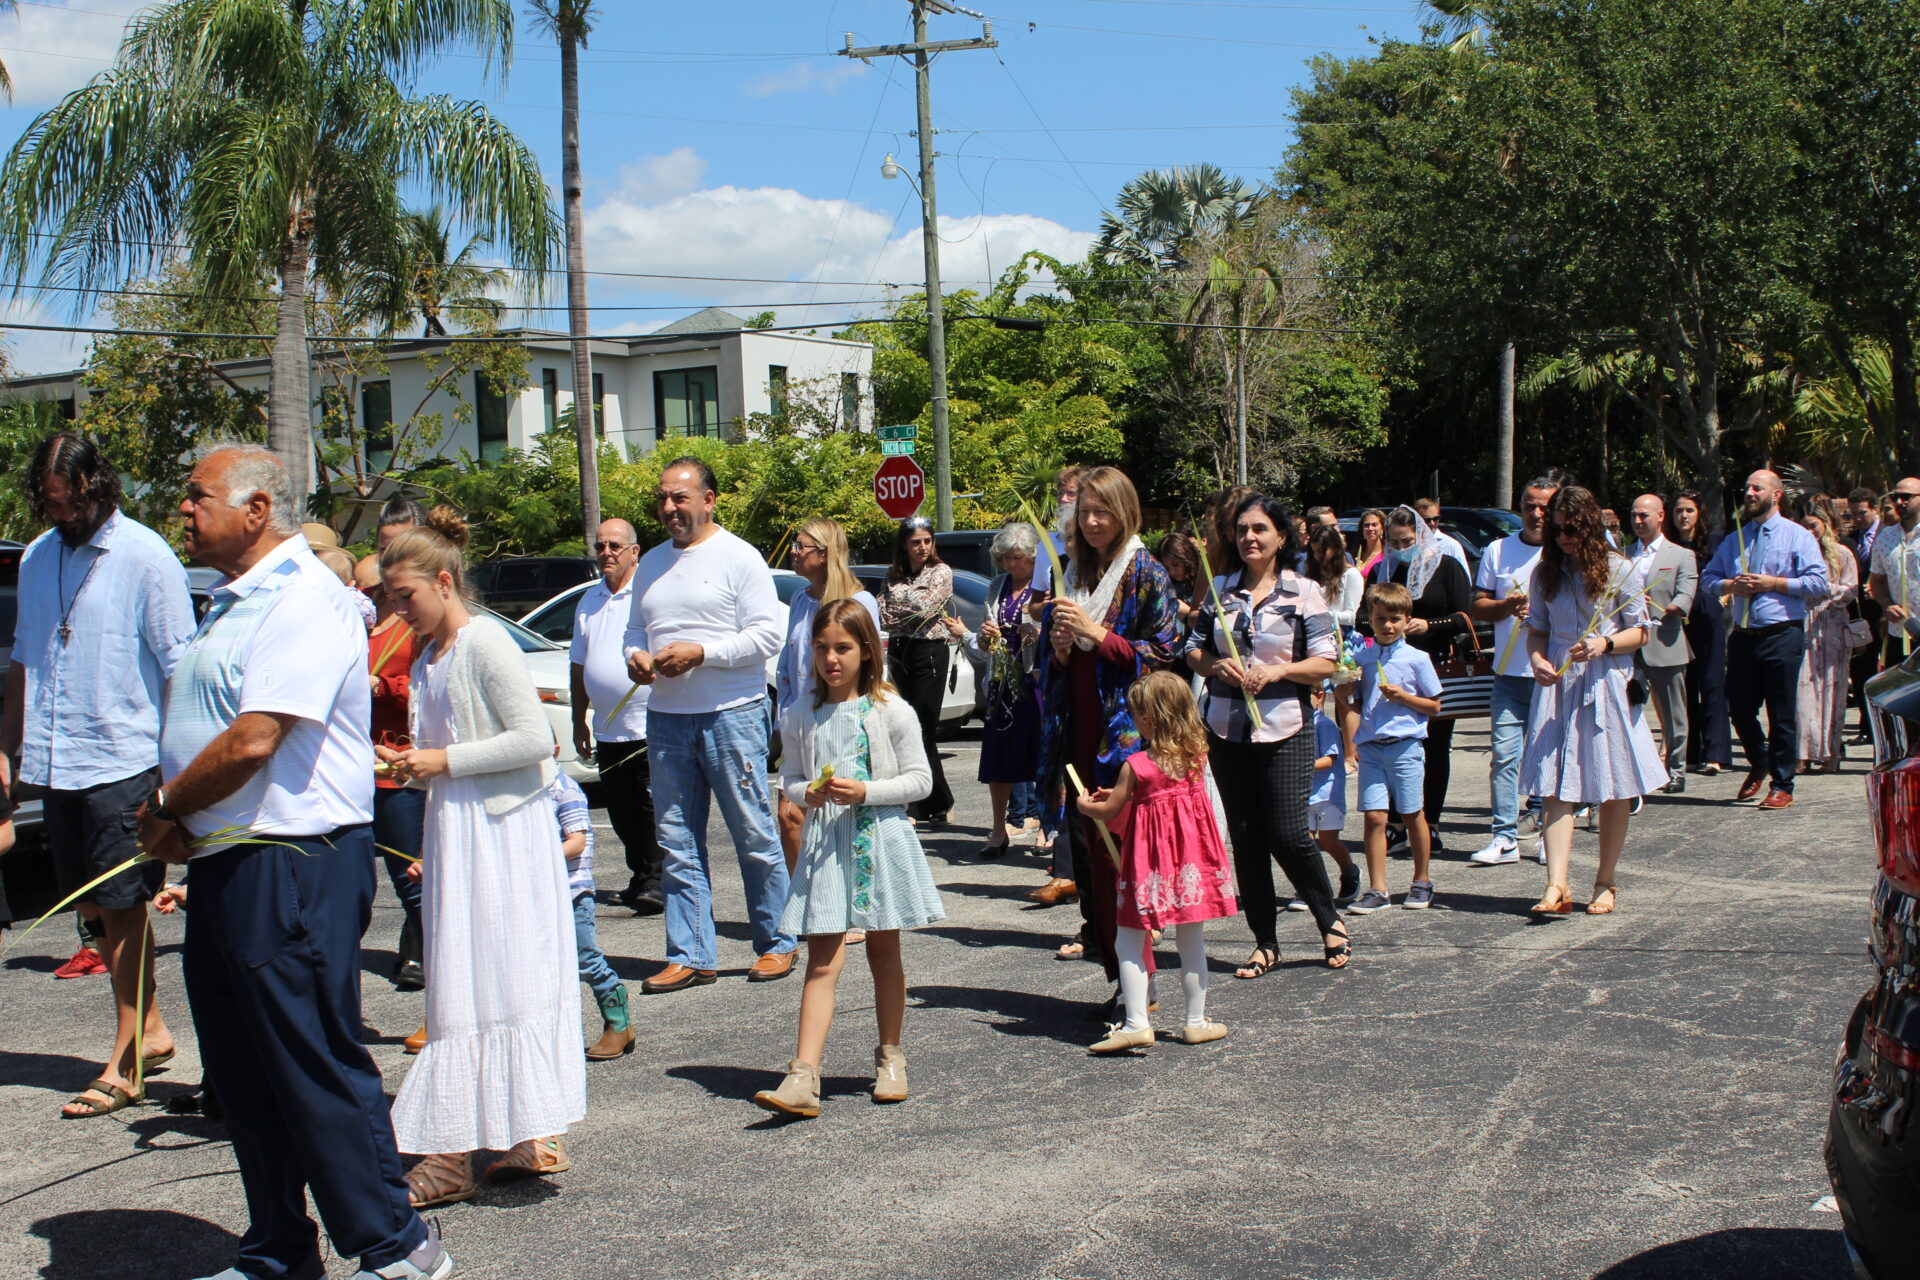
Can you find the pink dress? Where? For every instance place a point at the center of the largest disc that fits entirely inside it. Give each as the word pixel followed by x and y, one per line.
pixel 1174 870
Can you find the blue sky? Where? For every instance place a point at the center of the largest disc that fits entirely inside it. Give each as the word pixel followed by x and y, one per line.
pixel 725 139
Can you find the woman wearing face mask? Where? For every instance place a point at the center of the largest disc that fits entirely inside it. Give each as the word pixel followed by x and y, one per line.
pixel 1441 594
pixel 1710 735
pixel 913 611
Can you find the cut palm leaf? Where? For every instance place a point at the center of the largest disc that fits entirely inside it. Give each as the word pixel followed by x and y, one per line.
pixel 1226 630
pixel 136 860
pixel 1113 850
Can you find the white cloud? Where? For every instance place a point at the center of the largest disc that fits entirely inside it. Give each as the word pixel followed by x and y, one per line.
pixel 779 234
pixel 804 76
pixel 654 178
pixel 31 351
pixel 50 50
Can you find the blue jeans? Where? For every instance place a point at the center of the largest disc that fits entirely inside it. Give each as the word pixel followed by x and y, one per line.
pixel 698 758
pixel 594 969
pixel 1024 803
pixel 1512 699
pixel 400 823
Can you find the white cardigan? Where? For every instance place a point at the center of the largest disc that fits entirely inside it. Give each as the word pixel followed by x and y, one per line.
pixel 896 758
pixel 505 743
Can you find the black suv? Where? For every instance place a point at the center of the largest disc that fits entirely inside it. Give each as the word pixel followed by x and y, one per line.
pixel 512 587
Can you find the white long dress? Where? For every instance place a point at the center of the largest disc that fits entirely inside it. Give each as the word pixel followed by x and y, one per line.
pixel 503 1061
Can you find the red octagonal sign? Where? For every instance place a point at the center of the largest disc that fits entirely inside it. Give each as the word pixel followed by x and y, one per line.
pixel 900 486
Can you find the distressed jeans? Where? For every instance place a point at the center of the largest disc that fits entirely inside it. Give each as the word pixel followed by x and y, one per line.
pixel 699 758
pixel 1511 700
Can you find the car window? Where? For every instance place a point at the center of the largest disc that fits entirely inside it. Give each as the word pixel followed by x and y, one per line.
pixel 9 592
pixel 514 578
pixel 555 620
pixel 558 575
pixel 527 640
pixel 788 585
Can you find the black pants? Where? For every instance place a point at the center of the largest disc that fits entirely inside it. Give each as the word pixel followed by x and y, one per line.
pixel 400 824
pixel 1439 773
pixel 1264 788
pixel 1093 871
pixel 626 787
pixel 273 976
pixel 918 668
pixel 1764 667
pixel 1709 736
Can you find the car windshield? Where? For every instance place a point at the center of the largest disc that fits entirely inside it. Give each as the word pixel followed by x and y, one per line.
pixel 529 642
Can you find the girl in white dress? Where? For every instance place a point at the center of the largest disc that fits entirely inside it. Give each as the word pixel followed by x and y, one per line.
pixel 502 1066
pixel 852 758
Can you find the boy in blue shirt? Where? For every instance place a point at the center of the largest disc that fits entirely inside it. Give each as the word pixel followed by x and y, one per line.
pixel 1327 804
pixel 576 842
pixel 1399 692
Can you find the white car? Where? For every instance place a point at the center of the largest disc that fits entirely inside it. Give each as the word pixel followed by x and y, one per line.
pixel 553 621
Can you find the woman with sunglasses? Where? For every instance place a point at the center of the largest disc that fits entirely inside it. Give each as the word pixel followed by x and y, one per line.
pixel 1587 738
pixel 1710 732
pixel 913 612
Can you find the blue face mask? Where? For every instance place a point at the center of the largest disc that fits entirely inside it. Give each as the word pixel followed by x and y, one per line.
pixel 1404 555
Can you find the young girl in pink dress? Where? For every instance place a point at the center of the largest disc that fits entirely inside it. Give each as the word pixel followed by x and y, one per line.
pixel 1174 873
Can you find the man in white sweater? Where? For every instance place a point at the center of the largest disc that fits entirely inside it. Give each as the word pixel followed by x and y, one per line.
pixel 705 620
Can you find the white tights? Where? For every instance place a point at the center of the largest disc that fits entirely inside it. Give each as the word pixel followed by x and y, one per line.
pixel 1132 947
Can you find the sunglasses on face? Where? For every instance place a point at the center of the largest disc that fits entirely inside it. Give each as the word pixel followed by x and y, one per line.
pixel 801 548
pixel 1898 496
pixel 610 546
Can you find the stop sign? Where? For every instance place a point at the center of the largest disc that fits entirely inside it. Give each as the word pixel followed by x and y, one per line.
pixel 900 486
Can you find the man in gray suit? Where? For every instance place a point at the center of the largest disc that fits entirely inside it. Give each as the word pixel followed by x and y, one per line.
pixel 1672 577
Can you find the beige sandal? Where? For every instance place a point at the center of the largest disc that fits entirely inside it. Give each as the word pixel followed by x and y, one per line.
pixel 1603 900
pixel 534 1158
pixel 441 1179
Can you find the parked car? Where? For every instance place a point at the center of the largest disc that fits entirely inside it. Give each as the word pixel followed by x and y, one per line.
pixel 553 620
pixel 26 819
pixel 513 586
pixel 1873 1145
pixel 967 549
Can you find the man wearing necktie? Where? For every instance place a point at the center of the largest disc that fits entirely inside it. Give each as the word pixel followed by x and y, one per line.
pixel 1766 572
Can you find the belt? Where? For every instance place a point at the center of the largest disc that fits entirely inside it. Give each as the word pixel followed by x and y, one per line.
pixel 1766 630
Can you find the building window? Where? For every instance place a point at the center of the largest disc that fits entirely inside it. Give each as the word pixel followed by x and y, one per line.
pixel 490 416
pixel 850 401
pixel 777 387
pixel 550 396
pixel 376 423
pixel 686 402
pixel 599 406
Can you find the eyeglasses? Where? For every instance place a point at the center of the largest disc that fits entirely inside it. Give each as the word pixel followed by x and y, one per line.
pixel 611 546
pixel 804 548
pixel 1898 496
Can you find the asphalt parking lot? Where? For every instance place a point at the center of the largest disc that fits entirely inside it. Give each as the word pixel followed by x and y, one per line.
pixel 1479 1095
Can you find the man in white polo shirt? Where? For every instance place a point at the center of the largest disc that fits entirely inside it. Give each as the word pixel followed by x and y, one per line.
pixel 617 743
pixel 705 620
pixel 266 733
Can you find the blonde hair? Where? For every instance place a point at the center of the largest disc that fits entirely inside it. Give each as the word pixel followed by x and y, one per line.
pixel 1163 710
pixel 1109 488
pixel 337 559
pixel 431 549
pixel 852 617
pixel 840 583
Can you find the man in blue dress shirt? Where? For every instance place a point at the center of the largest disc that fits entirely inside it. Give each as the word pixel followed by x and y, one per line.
pixel 1765 573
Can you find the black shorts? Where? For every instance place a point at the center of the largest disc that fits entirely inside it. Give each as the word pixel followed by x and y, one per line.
pixel 92 831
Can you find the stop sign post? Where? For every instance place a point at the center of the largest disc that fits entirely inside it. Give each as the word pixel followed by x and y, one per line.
pixel 900 486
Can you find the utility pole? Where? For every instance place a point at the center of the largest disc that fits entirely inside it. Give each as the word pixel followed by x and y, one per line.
pixel 921 53
pixel 1503 443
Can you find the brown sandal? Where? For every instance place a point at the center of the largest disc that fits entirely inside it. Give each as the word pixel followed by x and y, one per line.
pixel 534 1158
pixel 1603 900
pixel 117 1099
pixel 441 1179
pixel 1558 902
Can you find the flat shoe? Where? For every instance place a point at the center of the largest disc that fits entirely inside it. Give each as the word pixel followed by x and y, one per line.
pixel 438 1180
pixel 677 977
pixel 771 967
pixel 118 1099
pixel 153 1062
pixel 534 1158
pixel 1122 1041
pixel 1201 1033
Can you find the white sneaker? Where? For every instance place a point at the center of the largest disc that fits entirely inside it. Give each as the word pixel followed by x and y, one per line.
pixel 1540 852
pixel 1498 852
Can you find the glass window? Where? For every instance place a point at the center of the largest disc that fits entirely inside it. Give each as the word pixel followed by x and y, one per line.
pixel 600 406
pixel 376 421
pixel 550 396
pixel 850 401
pixel 686 402
pixel 490 416
pixel 777 387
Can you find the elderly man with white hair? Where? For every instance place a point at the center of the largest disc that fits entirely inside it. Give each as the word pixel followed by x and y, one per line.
pixel 266 762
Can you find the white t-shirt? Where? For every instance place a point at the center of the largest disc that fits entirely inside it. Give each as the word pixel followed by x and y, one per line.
pixel 1451 545
pixel 598 649
pixel 284 637
pixel 1507 567
pixel 719 595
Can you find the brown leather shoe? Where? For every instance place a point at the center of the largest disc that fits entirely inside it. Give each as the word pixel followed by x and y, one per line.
pixel 415 1042
pixel 1751 787
pixel 1055 892
pixel 677 977
pixel 771 967
pixel 1777 800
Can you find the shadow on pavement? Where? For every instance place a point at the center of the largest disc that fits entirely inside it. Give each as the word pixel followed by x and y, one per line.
pixel 1027 1014
pixel 974 936
pixel 1741 1253
pixel 741 1083
pixel 58 1072
pixel 107 1244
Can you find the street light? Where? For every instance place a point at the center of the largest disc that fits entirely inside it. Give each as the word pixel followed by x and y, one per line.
pixel 890 168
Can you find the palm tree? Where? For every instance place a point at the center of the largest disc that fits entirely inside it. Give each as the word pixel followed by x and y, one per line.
pixel 6 81
pixel 430 278
pixel 1162 210
pixel 570 22
pixel 269 138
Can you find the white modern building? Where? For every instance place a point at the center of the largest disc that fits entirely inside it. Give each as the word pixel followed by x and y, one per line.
pixel 700 376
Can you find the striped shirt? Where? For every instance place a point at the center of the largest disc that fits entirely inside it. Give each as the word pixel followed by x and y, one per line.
pixel 1290 624
pixel 570 807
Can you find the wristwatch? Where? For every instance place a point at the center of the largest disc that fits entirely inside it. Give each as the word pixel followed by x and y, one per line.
pixel 157 806
pixel 1609 644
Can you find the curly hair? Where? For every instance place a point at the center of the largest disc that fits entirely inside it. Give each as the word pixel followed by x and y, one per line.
pixel 1575 510
pixel 77 460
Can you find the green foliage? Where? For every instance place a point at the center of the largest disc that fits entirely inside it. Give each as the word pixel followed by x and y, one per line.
pixel 23 425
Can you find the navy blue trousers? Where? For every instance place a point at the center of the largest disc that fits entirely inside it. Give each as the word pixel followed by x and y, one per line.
pixel 400 824
pixel 273 976
pixel 1763 669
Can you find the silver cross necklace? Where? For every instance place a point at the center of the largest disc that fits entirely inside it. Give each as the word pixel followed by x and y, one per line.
pixel 65 631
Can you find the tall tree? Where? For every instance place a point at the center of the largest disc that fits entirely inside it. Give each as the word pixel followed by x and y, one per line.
pixel 6 81
pixel 1158 213
pixel 570 22
pixel 269 138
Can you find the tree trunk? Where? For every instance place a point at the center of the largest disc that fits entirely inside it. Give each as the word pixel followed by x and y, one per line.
pixel 289 403
pixel 1902 364
pixel 1503 495
pixel 583 416
pixel 1240 402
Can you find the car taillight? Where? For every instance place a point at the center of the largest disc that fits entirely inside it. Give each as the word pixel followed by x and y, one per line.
pixel 1893 802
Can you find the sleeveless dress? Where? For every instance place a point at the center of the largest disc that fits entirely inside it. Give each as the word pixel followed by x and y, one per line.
pixel 861 866
pixel 502 1061
pixel 1174 870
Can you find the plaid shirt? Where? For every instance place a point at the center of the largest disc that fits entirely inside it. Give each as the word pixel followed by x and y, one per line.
pixel 570 807
pixel 1292 622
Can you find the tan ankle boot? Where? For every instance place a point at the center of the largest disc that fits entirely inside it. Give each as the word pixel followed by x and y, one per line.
pixel 889 1074
pixel 798 1094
